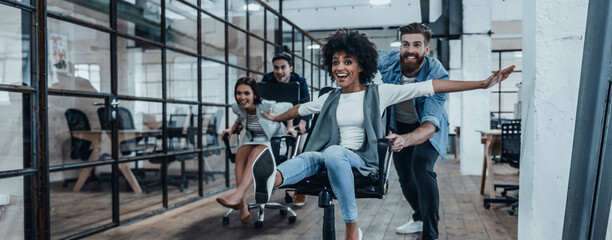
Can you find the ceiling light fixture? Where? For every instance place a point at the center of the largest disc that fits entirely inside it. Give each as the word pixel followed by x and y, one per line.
pixel 380 2
pixel 251 7
pixel 314 46
pixel 395 44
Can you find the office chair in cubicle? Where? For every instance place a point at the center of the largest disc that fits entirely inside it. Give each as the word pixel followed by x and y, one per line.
pixel 79 149
pixel 510 154
pixel 365 187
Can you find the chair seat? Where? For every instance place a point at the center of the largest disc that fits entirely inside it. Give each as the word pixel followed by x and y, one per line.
pixel 365 187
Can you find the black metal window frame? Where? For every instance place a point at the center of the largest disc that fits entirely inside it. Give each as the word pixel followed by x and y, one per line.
pixel 498 91
pixel 36 160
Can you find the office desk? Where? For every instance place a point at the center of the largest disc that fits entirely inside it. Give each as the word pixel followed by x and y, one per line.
pixel 492 142
pixel 96 139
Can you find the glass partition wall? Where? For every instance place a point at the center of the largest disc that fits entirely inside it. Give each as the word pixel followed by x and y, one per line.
pixel 112 109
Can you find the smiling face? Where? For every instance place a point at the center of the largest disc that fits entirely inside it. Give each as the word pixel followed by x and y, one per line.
pixel 346 71
pixel 412 53
pixel 282 70
pixel 245 96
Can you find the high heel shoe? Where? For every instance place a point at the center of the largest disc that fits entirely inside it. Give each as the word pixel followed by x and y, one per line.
pixel 228 205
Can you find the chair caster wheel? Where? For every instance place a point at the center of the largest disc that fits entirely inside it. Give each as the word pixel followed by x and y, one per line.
pixel 511 212
pixel 486 205
pixel 283 212
pixel 225 220
pixel 292 219
pixel 259 224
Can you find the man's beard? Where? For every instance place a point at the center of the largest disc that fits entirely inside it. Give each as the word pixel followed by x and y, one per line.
pixel 412 66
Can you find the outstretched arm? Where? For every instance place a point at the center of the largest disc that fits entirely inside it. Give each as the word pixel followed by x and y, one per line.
pixel 447 86
pixel 290 114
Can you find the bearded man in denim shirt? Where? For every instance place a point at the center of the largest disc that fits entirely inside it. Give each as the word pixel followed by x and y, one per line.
pixel 423 125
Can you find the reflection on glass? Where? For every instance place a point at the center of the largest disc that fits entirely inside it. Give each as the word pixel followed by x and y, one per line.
pixel 237 47
pixel 72 46
pixel 236 13
pixel 181 26
pixel 256 18
pixel 308 49
pixel 256 55
pixel 141 18
pixel 213 123
pixel 299 44
pixel 75 212
pixel 15 66
pixel 298 66
pixel 182 76
pixel 12 218
pixel 182 136
pixel 139 70
pixel 93 12
pixel 11 130
pixel 288 37
pixel 270 52
pixel 213 82
pixel 146 120
pixel 216 8
pixel 70 118
pixel 272 25
pixel 213 38
pixel 308 73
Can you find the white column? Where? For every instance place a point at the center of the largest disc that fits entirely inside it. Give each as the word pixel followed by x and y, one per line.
pixel 453 100
pixel 475 105
pixel 553 33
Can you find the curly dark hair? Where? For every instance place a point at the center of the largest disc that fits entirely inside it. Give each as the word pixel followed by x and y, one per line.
pixel 354 44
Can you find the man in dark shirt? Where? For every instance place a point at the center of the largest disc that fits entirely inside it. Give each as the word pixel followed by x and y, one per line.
pixel 283 73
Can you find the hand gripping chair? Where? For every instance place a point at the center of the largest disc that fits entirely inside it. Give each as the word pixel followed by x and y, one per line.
pixel 231 157
pixel 373 186
pixel 510 154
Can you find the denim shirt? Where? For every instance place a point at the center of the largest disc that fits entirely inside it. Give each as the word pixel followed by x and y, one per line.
pixel 428 109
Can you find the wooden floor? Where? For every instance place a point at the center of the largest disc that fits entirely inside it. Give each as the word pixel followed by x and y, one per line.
pixel 461 216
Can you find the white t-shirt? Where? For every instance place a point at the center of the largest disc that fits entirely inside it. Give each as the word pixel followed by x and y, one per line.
pixel 350 107
pixel 405 111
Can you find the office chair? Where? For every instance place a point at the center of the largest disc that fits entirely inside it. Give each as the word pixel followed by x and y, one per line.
pixel 79 149
pixel 279 92
pixel 510 154
pixel 373 186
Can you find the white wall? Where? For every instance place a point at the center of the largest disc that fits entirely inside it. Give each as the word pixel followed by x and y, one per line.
pixel 553 33
pixel 506 10
pixel 475 105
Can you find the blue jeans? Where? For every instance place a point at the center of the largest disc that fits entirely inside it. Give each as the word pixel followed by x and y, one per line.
pixel 338 161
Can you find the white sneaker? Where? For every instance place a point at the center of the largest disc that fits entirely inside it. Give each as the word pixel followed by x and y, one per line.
pixel 410 227
pixel 360 233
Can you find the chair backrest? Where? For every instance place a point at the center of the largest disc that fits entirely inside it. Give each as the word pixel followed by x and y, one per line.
pixel 511 143
pixel 78 121
pixel 280 92
pixel 124 119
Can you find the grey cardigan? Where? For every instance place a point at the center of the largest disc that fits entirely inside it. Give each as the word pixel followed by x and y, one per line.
pixel 326 132
pixel 270 128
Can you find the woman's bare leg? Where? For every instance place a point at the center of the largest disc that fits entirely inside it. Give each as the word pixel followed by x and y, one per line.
pixel 351 231
pixel 242 155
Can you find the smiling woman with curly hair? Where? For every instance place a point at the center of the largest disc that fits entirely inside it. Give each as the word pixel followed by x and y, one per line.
pixel 350 123
pixel 355 44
